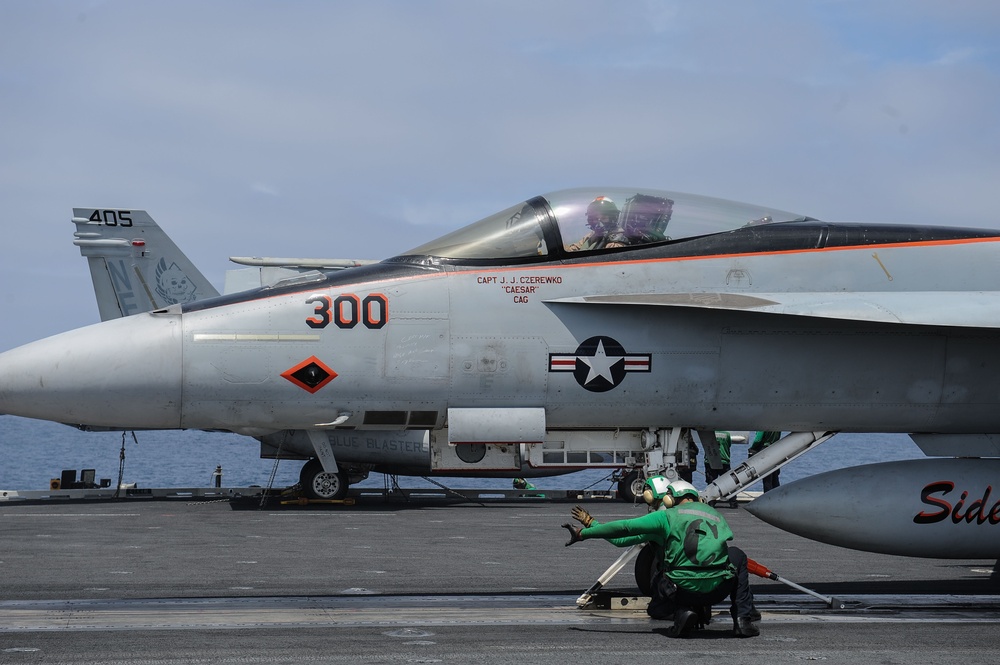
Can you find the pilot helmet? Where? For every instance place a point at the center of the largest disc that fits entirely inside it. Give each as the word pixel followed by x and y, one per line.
pixel 600 209
pixel 678 490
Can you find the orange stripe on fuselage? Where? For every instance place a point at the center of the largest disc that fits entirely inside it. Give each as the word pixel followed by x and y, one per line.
pixel 555 265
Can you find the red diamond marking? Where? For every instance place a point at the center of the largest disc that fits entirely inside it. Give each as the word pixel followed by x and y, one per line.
pixel 311 374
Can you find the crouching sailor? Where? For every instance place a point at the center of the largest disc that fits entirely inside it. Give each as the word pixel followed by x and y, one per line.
pixel 699 568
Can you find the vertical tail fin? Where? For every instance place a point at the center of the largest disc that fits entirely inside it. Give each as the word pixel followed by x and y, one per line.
pixel 134 265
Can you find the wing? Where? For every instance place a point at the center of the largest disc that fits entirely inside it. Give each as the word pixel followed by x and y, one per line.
pixel 266 271
pixel 304 264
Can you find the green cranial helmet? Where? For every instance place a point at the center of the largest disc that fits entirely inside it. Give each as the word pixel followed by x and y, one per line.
pixel 680 489
pixel 656 488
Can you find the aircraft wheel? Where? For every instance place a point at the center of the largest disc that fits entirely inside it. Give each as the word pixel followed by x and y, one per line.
pixel 645 565
pixel 318 484
pixel 630 487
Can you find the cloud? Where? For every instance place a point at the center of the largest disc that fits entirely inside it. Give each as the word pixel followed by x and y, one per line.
pixel 363 129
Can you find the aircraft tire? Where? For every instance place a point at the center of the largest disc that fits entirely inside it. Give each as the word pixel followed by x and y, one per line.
pixel 630 487
pixel 318 484
pixel 644 563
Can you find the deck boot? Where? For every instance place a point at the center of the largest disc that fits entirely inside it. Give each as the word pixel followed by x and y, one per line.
pixel 685 623
pixel 743 627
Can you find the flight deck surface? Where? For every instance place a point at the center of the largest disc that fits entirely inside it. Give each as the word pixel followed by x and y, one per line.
pixel 183 581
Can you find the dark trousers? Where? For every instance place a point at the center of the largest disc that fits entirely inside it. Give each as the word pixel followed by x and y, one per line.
pixel 711 474
pixel 771 480
pixel 667 597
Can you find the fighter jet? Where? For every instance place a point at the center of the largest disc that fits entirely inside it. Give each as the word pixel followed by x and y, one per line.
pixel 586 326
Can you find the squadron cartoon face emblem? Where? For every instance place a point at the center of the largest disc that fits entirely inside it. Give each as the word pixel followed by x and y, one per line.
pixel 600 363
pixel 172 285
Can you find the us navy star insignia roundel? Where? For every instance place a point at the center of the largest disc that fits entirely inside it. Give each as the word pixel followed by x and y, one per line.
pixel 600 363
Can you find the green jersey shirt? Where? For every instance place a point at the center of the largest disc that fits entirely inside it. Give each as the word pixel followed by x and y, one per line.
pixel 725 441
pixel 693 536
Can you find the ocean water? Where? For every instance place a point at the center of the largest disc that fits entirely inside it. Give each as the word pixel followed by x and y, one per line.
pixel 32 452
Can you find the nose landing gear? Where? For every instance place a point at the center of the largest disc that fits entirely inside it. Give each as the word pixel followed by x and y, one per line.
pixel 318 484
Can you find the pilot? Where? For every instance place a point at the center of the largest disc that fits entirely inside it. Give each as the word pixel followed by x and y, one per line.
pixel 699 567
pixel 602 218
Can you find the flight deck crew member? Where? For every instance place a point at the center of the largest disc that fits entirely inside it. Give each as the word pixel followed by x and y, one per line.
pixel 602 218
pixel 686 458
pixel 762 440
pixel 725 443
pixel 699 567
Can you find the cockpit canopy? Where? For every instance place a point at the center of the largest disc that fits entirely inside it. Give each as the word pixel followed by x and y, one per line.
pixel 572 221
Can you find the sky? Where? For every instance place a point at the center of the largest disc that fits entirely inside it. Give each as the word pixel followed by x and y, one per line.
pixel 361 129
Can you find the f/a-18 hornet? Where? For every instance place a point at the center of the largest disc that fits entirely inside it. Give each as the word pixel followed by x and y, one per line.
pixel 582 327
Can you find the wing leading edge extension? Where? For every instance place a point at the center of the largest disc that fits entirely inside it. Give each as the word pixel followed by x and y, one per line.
pixel 925 308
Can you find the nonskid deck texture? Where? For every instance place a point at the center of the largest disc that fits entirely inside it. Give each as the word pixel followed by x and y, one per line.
pixel 172 581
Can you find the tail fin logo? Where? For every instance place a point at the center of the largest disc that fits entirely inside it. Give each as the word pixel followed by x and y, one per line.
pixel 173 285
